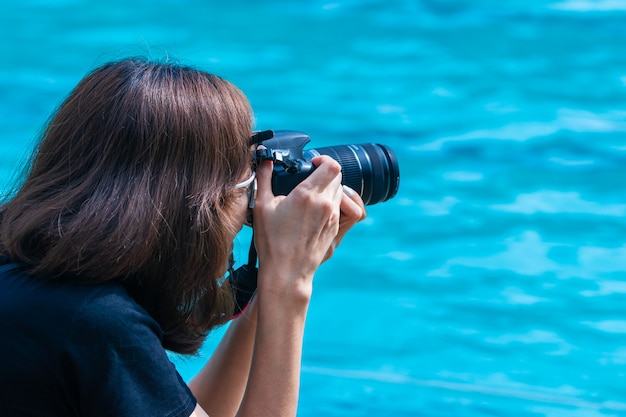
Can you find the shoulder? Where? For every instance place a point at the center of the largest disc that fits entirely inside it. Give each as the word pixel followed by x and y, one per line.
pixel 56 307
pixel 107 311
pixel 91 345
pixel 114 354
pixel 66 314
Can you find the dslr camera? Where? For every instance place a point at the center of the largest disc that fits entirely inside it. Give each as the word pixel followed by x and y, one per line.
pixel 370 169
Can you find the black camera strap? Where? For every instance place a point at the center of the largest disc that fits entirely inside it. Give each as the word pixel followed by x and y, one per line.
pixel 243 281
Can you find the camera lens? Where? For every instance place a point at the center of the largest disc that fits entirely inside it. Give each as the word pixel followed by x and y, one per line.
pixel 370 169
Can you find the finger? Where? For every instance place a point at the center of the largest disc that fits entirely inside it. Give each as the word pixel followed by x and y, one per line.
pixel 330 252
pixel 352 205
pixel 351 213
pixel 354 196
pixel 326 174
pixel 324 159
pixel 334 218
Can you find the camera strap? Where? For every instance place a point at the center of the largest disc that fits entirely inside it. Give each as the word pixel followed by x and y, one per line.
pixel 243 281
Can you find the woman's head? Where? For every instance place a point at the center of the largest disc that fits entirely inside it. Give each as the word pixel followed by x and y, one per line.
pixel 134 181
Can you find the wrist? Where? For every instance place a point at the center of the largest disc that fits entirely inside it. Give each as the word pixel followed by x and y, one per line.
pixel 291 294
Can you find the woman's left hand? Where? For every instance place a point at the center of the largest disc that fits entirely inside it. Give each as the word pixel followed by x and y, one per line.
pixel 352 211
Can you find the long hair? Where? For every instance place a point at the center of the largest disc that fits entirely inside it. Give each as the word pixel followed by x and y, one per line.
pixel 133 182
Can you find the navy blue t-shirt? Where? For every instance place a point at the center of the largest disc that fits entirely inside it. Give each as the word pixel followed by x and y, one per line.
pixel 79 350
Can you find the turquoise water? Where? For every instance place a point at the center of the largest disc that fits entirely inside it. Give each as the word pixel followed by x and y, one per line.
pixel 493 284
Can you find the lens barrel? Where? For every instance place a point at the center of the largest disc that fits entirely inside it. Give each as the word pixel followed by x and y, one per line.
pixel 370 169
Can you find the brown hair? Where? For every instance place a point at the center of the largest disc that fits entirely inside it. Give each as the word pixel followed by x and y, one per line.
pixel 133 182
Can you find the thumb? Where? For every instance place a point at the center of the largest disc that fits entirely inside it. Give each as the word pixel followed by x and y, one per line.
pixel 264 180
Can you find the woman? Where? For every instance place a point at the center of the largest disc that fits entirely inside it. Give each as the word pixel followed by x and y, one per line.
pixel 115 248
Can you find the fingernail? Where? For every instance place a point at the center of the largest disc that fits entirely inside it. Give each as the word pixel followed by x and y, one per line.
pixel 348 191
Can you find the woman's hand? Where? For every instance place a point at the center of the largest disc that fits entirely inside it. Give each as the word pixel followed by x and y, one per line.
pixel 294 234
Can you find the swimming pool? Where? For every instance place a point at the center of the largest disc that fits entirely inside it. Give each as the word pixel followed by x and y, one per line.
pixel 493 283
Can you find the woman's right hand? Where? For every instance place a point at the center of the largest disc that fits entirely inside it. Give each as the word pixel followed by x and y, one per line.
pixel 294 233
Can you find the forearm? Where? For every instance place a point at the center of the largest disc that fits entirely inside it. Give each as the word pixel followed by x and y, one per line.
pixel 274 381
pixel 220 385
pixel 255 370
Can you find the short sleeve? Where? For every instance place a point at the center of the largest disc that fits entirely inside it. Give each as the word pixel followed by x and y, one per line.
pixel 114 364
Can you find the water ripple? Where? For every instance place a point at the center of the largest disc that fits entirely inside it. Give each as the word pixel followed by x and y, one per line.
pixel 558 202
pixel 535 337
pixel 606 288
pixel 526 254
pixel 562 397
pixel 590 5
pixel 573 120
pixel 608 326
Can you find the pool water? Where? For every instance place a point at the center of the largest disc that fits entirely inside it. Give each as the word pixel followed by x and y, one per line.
pixel 493 283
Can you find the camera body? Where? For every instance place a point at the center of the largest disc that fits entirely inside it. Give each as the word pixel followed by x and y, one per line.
pixel 286 150
pixel 369 169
